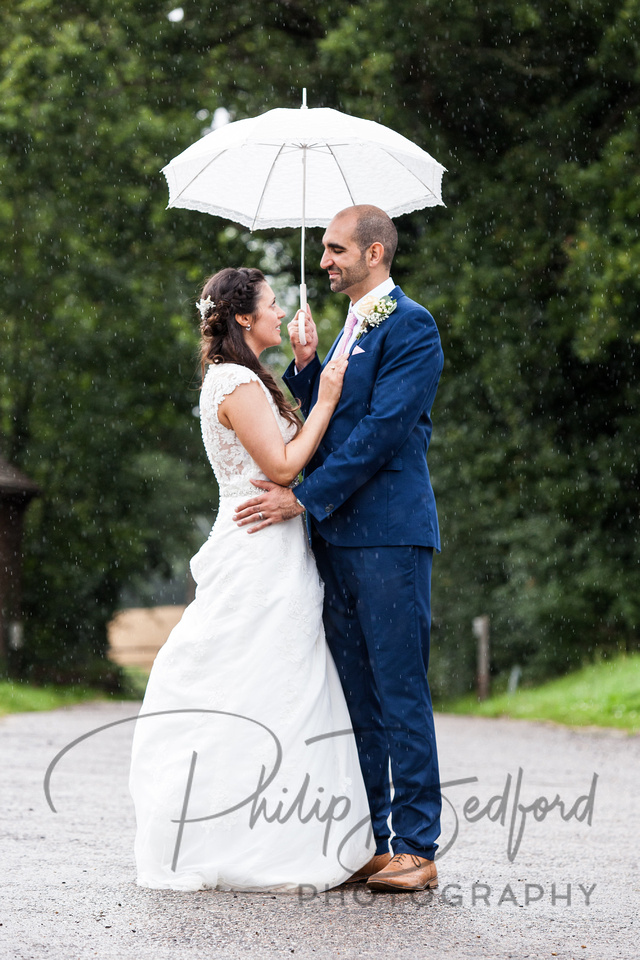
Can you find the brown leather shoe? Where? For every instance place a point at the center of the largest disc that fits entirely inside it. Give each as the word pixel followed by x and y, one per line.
pixel 405 871
pixel 376 863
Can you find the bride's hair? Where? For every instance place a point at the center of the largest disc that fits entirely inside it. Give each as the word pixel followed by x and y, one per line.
pixel 227 293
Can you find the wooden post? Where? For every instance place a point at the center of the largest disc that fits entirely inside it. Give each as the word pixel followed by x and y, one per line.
pixel 481 633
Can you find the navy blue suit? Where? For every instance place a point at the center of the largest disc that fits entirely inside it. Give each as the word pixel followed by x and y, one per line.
pixel 373 524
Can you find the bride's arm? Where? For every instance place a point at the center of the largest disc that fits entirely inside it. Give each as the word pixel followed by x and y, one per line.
pixel 248 412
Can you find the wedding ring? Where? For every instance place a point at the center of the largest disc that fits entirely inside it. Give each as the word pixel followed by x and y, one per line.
pixel 261 515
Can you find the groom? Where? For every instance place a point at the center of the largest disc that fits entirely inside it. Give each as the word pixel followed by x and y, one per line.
pixel 374 528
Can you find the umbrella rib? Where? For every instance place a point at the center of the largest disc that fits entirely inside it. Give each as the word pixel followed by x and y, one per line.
pixel 196 175
pixel 341 174
pixel 266 184
pixel 395 159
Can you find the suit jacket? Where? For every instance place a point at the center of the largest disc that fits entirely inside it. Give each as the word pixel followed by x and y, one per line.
pixel 368 483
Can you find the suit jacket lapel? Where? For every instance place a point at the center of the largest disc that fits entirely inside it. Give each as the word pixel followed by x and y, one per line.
pixel 395 294
pixel 333 348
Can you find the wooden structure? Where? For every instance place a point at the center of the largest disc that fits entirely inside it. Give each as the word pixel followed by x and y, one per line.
pixel 481 633
pixel 16 492
pixel 136 635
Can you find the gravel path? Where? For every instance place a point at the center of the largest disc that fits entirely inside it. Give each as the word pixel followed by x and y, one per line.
pixel 569 888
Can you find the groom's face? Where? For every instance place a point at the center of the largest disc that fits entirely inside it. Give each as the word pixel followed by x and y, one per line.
pixel 345 263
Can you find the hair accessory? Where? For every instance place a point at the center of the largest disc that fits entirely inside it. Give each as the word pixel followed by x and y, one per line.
pixel 204 306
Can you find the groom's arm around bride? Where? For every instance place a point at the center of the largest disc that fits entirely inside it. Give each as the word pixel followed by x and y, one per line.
pixel 373 524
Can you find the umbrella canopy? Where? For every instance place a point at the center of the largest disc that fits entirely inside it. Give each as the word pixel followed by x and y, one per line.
pixel 288 168
pixel 292 168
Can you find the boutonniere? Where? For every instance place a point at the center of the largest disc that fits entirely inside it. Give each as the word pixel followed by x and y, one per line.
pixel 372 312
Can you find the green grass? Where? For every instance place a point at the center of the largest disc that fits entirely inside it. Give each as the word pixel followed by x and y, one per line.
pixel 18 697
pixel 24 697
pixel 605 694
pixel 136 682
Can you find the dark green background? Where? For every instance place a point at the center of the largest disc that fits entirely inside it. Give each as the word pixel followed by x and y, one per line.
pixel 532 273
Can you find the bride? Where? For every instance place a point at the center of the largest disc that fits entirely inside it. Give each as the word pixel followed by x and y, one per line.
pixel 244 769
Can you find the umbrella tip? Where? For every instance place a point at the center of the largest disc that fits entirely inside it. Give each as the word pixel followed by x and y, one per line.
pixel 304 99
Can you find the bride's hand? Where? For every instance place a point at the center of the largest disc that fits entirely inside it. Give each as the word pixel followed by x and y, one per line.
pixel 331 380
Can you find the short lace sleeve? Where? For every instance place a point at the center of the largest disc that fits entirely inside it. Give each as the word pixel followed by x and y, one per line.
pixel 221 380
pixel 231 463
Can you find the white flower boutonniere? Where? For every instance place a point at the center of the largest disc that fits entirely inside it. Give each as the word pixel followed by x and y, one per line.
pixel 373 312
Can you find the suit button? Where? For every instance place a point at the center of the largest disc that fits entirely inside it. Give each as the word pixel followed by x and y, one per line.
pixel 328 508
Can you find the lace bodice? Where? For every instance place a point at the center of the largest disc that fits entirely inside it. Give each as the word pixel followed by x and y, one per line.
pixel 232 465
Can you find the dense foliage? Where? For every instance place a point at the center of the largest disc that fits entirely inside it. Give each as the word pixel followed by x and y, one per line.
pixel 532 272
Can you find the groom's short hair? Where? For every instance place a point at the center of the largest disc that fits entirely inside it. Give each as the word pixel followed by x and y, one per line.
pixel 373 225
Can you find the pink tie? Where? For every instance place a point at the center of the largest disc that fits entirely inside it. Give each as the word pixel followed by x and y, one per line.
pixel 349 327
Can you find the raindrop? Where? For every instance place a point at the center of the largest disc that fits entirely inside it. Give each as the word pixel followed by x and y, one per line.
pixel 175 16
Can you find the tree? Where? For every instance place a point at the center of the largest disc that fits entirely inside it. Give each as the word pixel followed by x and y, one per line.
pixel 531 273
pixel 533 279
pixel 99 366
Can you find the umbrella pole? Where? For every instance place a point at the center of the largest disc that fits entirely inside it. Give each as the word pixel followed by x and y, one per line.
pixel 303 287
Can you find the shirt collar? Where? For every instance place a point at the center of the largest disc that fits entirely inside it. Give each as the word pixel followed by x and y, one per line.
pixel 382 290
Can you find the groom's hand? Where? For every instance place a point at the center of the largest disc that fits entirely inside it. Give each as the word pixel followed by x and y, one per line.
pixel 303 354
pixel 274 505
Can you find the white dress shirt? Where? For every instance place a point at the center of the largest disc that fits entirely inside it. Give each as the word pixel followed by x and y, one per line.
pixel 382 290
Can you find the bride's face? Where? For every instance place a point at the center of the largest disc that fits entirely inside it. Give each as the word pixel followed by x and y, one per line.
pixel 265 326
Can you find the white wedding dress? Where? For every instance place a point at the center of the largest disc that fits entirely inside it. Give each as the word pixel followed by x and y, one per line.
pixel 248 779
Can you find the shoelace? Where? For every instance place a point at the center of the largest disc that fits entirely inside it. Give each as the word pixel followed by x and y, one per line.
pixel 400 857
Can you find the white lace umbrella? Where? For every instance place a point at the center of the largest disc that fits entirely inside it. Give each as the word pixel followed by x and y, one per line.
pixel 292 168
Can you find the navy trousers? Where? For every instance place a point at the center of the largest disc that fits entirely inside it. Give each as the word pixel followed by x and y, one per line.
pixel 377 616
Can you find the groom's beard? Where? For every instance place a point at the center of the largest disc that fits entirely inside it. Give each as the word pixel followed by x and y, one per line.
pixel 349 276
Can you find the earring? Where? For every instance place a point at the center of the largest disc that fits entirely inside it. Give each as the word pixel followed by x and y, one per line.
pixel 248 326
